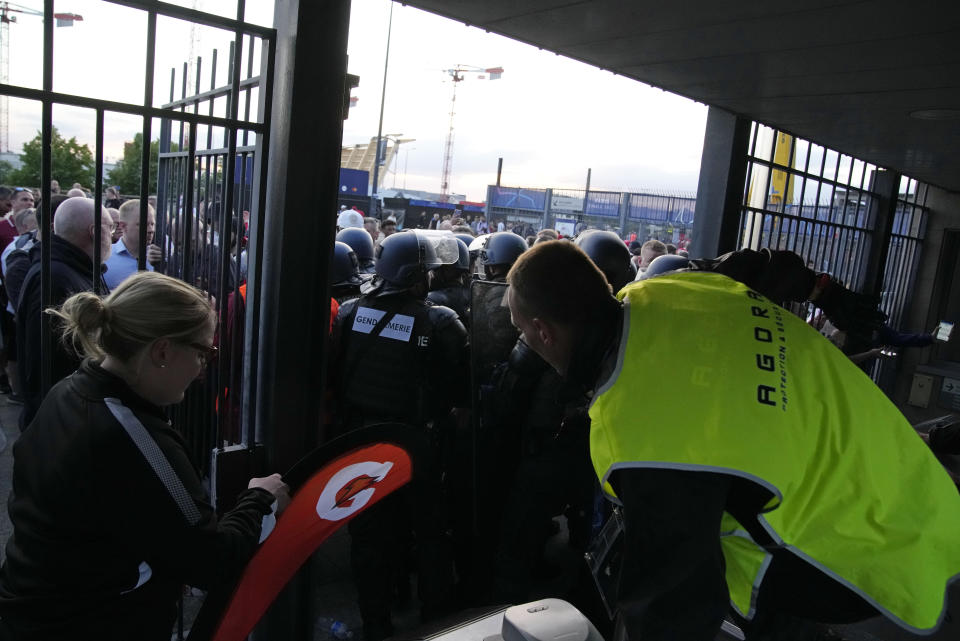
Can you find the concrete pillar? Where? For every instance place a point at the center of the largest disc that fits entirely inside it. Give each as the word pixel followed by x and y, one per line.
pixel 723 170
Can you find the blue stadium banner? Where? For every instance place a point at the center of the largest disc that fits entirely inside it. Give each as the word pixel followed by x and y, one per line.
pixel 603 203
pixel 668 209
pixel 518 198
pixel 354 182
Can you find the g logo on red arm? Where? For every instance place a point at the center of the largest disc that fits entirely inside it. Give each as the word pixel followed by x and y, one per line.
pixel 350 489
pixel 334 494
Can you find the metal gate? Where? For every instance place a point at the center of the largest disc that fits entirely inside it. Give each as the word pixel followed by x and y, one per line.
pixel 210 188
pixel 835 211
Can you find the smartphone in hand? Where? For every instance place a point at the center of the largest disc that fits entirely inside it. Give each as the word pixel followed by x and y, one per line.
pixel 944 329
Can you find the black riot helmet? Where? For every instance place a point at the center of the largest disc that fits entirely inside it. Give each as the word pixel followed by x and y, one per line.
pixel 463 255
pixel 403 261
pixel 466 238
pixel 345 270
pixel 664 264
pixel 502 248
pixel 610 254
pixel 359 239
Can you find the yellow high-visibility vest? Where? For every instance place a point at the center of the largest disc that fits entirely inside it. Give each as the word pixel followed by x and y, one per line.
pixel 712 376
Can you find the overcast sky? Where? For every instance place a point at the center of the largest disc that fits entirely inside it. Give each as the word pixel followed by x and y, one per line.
pixel 548 117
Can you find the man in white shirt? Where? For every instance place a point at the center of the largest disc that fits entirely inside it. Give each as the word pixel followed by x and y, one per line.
pixel 126 251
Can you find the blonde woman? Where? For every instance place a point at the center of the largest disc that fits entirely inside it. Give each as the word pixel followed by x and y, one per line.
pixel 110 517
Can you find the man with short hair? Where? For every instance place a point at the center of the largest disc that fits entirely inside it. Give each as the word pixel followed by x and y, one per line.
pixel 22 199
pixel 76 192
pixel 372 225
pixel 790 489
pixel 389 228
pixel 115 217
pixel 648 251
pixel 72 263
pixel 125 253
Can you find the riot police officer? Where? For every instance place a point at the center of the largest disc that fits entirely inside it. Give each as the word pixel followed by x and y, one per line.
pixel 401 359
pixel 345 278
pixel 362 245
pixel 450 286
pixel 610 254
pixel 494 432
pixel 500 252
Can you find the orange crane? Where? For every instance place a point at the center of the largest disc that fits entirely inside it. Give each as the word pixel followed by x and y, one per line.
pixel 457 74
pixel 8 16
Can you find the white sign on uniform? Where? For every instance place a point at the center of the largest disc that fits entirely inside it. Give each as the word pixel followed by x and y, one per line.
pixel 400 328
pixel 366 319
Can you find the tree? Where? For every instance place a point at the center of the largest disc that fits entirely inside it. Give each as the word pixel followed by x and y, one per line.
pixel 72 162
pixel 6 171
pixel 126 174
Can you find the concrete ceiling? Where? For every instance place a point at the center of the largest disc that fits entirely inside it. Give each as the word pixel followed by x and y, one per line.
pixel 844 74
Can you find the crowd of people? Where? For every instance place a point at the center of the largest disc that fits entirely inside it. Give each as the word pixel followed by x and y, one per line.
pixel 736 510
pixel 542 372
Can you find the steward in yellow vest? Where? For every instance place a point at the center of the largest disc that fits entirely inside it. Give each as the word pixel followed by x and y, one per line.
pixel 791 488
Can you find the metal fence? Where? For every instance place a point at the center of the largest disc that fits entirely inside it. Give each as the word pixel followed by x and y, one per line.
pixel 197 135
pixel 664 215
pixel 205 198
pixel 827 207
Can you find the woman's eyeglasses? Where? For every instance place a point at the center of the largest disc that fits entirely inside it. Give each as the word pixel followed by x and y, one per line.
pixel 207 353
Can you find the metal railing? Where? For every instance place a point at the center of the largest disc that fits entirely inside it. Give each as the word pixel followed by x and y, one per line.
pixel 184 196
pixel 649 213
pixel 832 209
pixel 205 195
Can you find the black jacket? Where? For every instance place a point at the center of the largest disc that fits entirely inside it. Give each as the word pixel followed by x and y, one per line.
pixel 88 510
pixel 414 379
pixel 71 271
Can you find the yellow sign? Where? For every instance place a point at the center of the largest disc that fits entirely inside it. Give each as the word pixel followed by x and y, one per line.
pixel 781 183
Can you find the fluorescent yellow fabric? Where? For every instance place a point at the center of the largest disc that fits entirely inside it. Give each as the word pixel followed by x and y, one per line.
pixel 744 563
pixel 713 377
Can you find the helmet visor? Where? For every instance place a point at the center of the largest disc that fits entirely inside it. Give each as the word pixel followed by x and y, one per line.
pixel 445 248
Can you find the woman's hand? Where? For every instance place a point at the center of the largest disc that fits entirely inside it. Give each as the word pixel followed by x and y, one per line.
pixel 275 485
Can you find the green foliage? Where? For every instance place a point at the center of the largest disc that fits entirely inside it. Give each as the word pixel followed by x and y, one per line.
pixel 6 171
pixel 126 174
pixel 72 163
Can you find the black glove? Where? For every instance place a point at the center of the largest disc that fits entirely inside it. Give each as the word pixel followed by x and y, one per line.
pixel 848 310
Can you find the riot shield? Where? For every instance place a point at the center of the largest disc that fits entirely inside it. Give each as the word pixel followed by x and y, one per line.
pixel 492 337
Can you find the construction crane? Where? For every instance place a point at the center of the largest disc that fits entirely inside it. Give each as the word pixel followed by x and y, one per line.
pixel 8 16
pixel 457 75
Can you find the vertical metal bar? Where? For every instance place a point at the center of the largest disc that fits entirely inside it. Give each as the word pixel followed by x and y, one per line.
pixel 46 174
pixel 227 214
pixel 95 277
pixel 249 97
pixel 145 151
pixel 255 257
pixel 233 96
pixel 807 241
pixel 821 244
pixel 196 85
pixel 746 214
pixel 213 85
pixel 886 184
pixel 186 259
